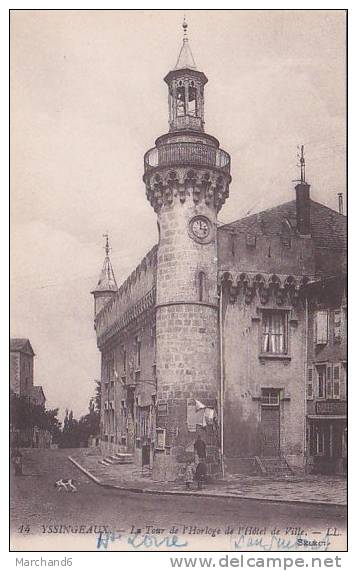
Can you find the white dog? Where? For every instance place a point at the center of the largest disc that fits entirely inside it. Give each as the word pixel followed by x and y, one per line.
pixel 69 485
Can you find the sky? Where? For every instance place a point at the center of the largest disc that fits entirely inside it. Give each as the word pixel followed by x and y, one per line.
pixel 88 100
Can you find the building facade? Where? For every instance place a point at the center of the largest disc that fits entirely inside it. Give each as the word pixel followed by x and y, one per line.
pixel 210 334
pixel 327 376
pixel 22 371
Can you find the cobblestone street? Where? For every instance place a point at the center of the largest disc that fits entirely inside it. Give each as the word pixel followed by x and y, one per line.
pixel 38 512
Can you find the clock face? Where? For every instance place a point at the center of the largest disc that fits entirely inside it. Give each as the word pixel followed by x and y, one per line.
pixel 200 228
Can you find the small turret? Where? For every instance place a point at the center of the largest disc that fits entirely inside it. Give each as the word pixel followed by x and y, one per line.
pixel 106 287
pixel 186 86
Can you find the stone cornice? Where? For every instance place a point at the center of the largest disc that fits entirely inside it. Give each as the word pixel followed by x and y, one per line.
pixel 283 287
pixel 201 184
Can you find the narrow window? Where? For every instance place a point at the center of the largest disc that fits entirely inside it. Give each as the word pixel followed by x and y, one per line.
pixel 274 327
pixel 201 286
pixel 329 382
pixel 192 100
pixel 180 101
pixel 321 378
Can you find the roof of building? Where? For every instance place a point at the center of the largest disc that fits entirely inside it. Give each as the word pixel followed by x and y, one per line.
pixel 37 394
pixel 328 227
pixel 21 345
pixel 106 280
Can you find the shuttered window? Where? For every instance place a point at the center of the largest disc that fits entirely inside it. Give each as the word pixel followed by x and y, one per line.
pixel 310 383
pixel 321 327
pixel 337 325
pixel 343 381
pixel 329 392
pixel 336 381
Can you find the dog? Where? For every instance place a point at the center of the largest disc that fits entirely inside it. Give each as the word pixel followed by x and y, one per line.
pixel 68 485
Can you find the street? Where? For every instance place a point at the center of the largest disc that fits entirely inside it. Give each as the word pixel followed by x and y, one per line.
pixel 101 518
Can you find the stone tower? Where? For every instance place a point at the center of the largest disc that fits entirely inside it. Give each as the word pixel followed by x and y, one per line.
pixel 187 179
pixel 106 287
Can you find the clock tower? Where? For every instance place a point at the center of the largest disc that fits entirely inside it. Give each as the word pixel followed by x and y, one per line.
pixel 187 179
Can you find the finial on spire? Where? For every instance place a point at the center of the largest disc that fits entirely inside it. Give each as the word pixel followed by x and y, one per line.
pixel 185 26
pixel 106 247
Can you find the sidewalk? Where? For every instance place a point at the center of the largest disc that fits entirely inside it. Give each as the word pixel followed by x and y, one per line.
pixel 323 490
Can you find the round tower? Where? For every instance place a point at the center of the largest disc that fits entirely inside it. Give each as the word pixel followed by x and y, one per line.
pixel 187 179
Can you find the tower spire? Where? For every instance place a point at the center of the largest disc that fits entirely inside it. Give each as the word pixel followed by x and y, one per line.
pixel 185 59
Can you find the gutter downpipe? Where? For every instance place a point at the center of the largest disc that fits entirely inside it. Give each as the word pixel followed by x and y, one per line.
pixel 221 375
pixel 305 375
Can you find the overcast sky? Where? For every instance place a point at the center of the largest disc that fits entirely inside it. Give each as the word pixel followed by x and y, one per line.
pixel 88 100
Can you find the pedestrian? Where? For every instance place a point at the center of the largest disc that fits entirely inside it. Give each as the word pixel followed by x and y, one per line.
pixel 189 474
pixel 201 474
pixel 200 448
pixel 16 458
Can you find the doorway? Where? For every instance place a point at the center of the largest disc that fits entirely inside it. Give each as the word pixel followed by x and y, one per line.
pixel 270 419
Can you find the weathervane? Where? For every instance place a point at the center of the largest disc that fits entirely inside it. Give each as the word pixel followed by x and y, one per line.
pixel 300 155
pixel 106 247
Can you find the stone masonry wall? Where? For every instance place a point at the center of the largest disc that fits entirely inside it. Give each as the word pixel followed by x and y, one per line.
pixel 187 330
pixel 247 372
pixel 15 372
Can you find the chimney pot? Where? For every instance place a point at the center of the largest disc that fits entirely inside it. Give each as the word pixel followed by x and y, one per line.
pixel 340 202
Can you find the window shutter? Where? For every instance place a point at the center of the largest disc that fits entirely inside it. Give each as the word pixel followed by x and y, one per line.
pixel 343 382
pixel 329 382
pixel 310 384
pixel 336 381
pixel 337 325
pixel 315 328
pixel 322 327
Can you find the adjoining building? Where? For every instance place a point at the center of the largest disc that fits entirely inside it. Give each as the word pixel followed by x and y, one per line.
pixel 210 334
pixel 327 375
pixel 22 384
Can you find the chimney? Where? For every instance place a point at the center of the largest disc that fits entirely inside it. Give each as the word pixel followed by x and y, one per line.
pixel 340 202
pixel 303 208
pixel 303 222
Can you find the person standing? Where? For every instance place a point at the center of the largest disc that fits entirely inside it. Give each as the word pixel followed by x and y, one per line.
pixel 200 448
pixel 16 458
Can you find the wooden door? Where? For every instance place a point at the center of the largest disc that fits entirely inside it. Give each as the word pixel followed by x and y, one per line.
pixel 270 431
